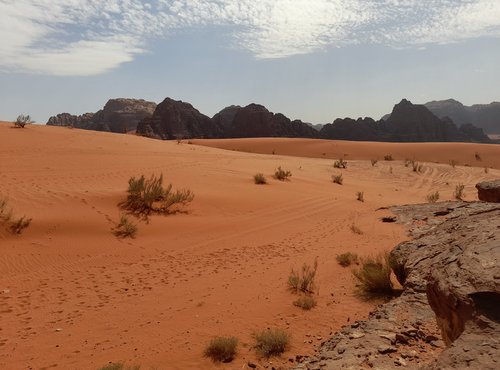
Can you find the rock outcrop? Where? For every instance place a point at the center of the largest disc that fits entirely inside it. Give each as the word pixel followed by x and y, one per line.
pixel 255 120
pixel 118 115
pixel 174 119
pixel 407 123
pixel 450 274
pixel 489 191
pixel 485 116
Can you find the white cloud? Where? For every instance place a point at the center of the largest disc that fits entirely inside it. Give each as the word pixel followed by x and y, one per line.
pixel 85 37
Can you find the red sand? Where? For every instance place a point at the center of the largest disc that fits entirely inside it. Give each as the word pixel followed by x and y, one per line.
pixel 72 296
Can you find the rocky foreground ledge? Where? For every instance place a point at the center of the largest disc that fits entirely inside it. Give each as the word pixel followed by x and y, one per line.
pixel 448 315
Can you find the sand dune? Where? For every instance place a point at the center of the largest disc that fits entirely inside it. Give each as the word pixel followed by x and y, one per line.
pixel 73 296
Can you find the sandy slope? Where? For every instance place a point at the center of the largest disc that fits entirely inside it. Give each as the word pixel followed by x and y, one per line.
pixel 72 296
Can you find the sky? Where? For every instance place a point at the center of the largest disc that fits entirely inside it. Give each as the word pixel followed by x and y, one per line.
pixel 314 60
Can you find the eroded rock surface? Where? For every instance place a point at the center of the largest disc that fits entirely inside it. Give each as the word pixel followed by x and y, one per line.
pixel 453 264
pixel 489 191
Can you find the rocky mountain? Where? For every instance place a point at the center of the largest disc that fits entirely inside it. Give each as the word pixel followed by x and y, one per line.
pixel 118 115
pixel 175 119
pixel 407 123
pixel 485 116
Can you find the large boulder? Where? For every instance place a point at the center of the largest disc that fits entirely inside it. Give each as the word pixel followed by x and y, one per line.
pixel 489 191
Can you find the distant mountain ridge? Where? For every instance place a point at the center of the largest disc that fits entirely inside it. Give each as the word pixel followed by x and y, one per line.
pixel 173 119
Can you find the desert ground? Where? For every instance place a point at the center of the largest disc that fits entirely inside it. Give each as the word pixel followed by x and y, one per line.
pixel 74 296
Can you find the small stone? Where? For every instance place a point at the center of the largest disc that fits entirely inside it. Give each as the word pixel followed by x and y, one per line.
pixel 401 338
pixel 340 350
pixel 356 335
pixel 400 362
pixel 251 365
pixel 384 349
pixel 58 330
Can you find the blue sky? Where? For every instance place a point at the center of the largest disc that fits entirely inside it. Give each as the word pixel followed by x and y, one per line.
pixel 315 60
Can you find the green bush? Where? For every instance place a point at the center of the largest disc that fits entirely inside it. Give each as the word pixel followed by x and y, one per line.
pixel 222 349
pixel 148 196
pixel 347 259
pixel 281 174
pixel 374 275
pixel 260 179
pixel 125 228
pixel 271 342
pixel 305 302
pixel 303 280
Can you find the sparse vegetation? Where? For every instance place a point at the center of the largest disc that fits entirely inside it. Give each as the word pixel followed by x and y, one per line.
pixel 119 366
pixel 417 167
pixel 305 302
pixel 337 179
pixel 486 170
pixel 388 157
pixel 281 174
pixel 374 275
pixel 15 226
pixel 374 162
pixel 222 349
pixel 347 259
pixel 125 228
pixel 303 280
pixel 433 197
pixel 271 342
pixel 259 179
pixel 341 163
pixel 477 156
pixel 22 120
pixel 356 230
pixel 148 196
pixel 459 192
pixel 18 226
pixel 360 196
pixel 453 163
pixel 408 162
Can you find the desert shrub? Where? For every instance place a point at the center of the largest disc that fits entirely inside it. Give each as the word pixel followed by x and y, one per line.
pixel 407 162
pixel 360 196
pixel 271 342
pixel 5 211
pixel 388 157
pixel 259 179
pixel 147 196
pixel 486 170
pixel 459 192
pixel 417 167
pixel 338 179
pixel 433 197
pixel 356 230
pixel 119 366
pixel 374 162
pixel 281 174
pixel 347 259
pixel 222 349
pixel 390 170
pixel 305 302
pixel 18 226
pixel 125 228
pixel 303 280
pixel 341 163
pixel 477 156
pixel 22 120
pixel 374 275
pixel 453 163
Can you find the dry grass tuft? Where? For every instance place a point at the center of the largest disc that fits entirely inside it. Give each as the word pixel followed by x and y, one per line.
pixel 459 192
pixel 303 280
pixel 374 275
pixel 341 163
pixel 338 179
pixel 356 230
pixel 347 259
pixel 281 174
pixel 271 342
pixel 125 228
pixel 388 157
pixel 305 302
pixel 433 197
pixel 222 349
pixel 259 179
pixel 360 196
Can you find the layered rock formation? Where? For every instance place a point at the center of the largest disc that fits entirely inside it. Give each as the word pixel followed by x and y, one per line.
pixel 489 191
pixel 485 116
pixel 450 273
pixel 407 123
pixel 118 115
